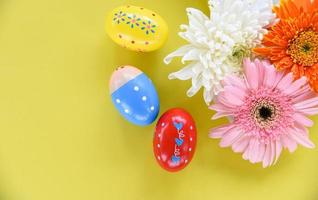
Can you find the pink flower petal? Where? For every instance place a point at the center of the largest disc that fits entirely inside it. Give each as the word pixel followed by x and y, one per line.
pixel 301 139
pixel 309 111
pixel 290 144
pixel 285 82
pixel 254 150
pixel 279 76
pixel 279 149
pixel 225 101
pixel 261 71
pixel 301 129
pixel 269 76
pixel 273 152
pixel 261 152
pixel 240 145
pixel 235 81
pixel 247 151
pixel 234 98
pixel 303 94
pixel 251 73
pixel 260 84
pixel 309 103
pixel 296 86
pixel 219 131
pixel 301 119
pixel 230 137
pixel 221 115
pixel 219 107
pixel 235 91
pixel 267 155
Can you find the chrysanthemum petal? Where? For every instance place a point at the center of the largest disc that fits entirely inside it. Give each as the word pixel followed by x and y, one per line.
pixel 220 42
pixel 208 95
pixel 180 52
pixel 192 55
pixel 196 18
pixel 193 90
pixel 184 74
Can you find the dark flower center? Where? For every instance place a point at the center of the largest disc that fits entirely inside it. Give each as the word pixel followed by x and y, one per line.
pixel 265 113
pixel 306 48
pixel 303 49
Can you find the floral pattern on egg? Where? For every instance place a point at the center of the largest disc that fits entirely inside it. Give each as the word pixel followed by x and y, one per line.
pixel 136 28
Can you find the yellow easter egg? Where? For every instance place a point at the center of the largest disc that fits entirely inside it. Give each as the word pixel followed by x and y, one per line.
pixel 136 28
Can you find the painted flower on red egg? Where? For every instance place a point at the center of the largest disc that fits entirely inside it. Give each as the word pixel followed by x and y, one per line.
pixel 292 43
pixel 269 110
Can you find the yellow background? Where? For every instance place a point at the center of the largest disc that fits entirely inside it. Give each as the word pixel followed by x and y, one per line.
pixel 61 138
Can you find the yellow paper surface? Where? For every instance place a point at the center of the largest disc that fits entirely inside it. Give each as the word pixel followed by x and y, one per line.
pixel 62 139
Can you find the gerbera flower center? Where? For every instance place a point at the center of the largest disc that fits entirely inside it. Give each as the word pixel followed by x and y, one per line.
pixel 264 113
pixel 304 48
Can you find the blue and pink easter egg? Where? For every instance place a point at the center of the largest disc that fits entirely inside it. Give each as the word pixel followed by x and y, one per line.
pixel 134 95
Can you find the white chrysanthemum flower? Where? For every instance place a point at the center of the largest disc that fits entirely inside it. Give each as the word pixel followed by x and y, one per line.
pixel 219 43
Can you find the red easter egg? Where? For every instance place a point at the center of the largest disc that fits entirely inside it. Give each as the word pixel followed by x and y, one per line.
pixel 175 139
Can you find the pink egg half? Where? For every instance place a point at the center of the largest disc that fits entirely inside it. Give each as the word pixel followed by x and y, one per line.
pixel 121 76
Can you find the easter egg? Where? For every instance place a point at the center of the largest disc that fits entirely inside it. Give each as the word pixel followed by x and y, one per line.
pixel 134 95
pixel 174 140
pixel 136 28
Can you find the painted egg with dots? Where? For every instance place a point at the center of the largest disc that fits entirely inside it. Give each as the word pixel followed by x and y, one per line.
pixel 136 28
pixel 134 95
pixel 174 140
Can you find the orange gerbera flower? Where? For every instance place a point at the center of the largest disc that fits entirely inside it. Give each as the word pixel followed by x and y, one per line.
pixel 292 43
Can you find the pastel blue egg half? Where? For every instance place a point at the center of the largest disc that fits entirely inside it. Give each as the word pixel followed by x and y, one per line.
pixel 134 96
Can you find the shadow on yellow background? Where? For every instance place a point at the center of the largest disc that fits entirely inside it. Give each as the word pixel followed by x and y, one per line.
pixel 61 138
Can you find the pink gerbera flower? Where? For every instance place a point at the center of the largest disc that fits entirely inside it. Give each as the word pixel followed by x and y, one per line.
pixel 268 110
